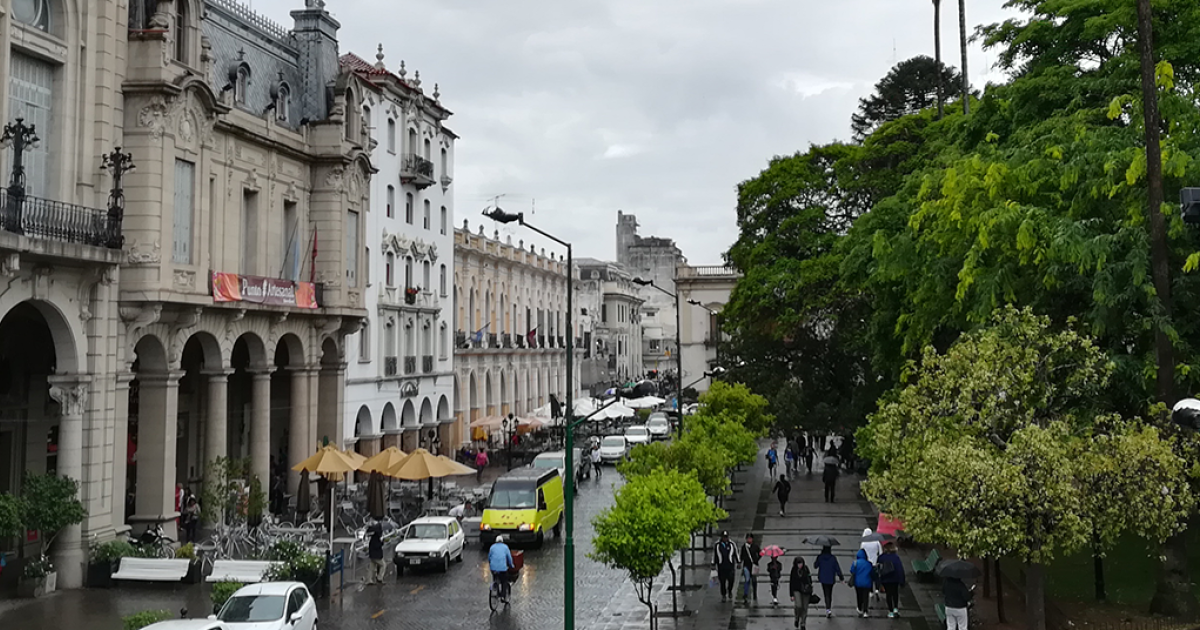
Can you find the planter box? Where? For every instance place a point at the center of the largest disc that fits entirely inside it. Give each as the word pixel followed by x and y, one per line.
pixel 37 587
pixel 99 574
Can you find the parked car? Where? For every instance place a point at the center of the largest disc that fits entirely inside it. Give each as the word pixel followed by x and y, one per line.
pixel 269 606
pixel 188 624
pixel 637 434
pixel 558 460
pixel 613 448
pixel 430 541
pixel 659 426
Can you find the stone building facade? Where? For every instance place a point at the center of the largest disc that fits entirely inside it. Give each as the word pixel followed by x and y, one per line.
pixel 400 379
pixel 510 341
pixel 700 326
pixel 652 258
pixel 614 341
pixel 217 327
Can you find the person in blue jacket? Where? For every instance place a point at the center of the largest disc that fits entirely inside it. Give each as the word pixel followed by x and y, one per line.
pixel 863 579
pixel 829 572
pixel 891 576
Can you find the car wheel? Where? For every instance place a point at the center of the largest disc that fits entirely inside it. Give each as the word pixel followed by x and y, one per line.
pixel 541 539
pixel 558 528
pixel 461 551
pixel 446 563
pixel 399 570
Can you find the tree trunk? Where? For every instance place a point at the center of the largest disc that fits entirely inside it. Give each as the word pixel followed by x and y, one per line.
pixel 1173 595
pixel 675 591
pixel 1098 567
pixel 987 578
pixel 1035 597
pixel 962 35
pixel 1000 594
pixel 937 55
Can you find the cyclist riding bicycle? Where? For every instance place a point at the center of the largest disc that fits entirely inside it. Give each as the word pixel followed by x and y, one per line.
pixel 500 560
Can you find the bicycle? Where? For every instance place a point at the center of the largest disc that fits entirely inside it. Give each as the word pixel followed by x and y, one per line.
pixel 500 591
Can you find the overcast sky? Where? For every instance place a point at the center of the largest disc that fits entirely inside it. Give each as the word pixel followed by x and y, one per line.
pixel 655 107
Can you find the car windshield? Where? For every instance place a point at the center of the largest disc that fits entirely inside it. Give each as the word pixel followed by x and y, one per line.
pixel 506 497
pixel 657 422
pixel 426 531
pixel 252 609
pixel 613 441
pixel 548 462
pixel 636 431
pixel 658 415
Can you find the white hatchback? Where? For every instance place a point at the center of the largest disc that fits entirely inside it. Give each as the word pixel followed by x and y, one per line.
pixel 430 541
pixel 637 434
pixel 269 606
pixel 613 448
pixel 659 427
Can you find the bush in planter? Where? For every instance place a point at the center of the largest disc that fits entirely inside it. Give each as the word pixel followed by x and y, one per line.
pixel 294 563
pixel 186 552
pixel 221 592
pixel 50 503
pixel 137 621
pixel 104 560
pixel 37 568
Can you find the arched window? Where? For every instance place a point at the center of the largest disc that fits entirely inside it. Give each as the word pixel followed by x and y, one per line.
pixel 391 262
pixel 442 281
pixel 408 271
pixel 182 24
pixel 412 141
pixel 425 275
pixel 241 84
pixel 428 150
pixel 366 121
pixel 408 208
pixel 35 13
pixel 283 103
pixel 427 219
pixel 445 164
pixel 444 219
pixel 391 138
pixel 391 200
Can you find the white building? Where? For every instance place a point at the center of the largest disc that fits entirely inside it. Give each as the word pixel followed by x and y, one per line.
pixel 654 259
pixel 613 341
pixel 400 377
pixel 700 326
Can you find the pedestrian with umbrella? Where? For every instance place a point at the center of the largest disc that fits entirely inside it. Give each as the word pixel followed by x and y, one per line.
pixel 375 551
pixel 890 571
pixel 774 570
pixel 830 475
pixel 829 572
pixel 801 589
pixel 872 544
pixel 783 488
pixel 956 593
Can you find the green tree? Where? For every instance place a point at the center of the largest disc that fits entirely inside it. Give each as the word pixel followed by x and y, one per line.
pixel 908 88
pixel 690 455
pixel 735 400
pixel 652 517
pixel 49 504
pixel 226 496
pixel 997 448
pixel 725 434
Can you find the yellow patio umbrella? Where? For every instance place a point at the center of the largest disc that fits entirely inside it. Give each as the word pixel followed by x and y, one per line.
pixel 454 467
pixel 332 464
pixel 382 462
pixel 421 464
pixel 355 456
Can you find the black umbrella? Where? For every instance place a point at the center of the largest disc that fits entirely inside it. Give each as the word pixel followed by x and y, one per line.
pixel 303 496
pixel 821 541
pixel 960 569
pixel 375 499
pixel 878 537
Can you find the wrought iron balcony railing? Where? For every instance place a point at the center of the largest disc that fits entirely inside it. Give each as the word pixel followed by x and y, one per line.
pixel 460 339
pixel 410 365
pixel 389 366
pixel 56 220
pixel 427 364
pixel 417 171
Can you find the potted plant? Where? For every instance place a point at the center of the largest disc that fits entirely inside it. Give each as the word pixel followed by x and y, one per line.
pixel 104 559
pixel 195 572
pixel 49 503
pixel 38 577
pixel 410 295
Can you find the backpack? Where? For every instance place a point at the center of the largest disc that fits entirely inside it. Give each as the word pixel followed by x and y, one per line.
pixel 884 569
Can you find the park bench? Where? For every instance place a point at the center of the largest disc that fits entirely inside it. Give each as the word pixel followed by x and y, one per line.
pixel 152 569
pixel 927 566
pixel 241 571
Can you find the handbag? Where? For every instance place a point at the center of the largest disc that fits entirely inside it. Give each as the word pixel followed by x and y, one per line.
pixel 754 570
pixel 813 600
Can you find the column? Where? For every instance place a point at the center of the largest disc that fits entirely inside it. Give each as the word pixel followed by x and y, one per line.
pixel 158 420
pixel 71 393
pixel 120 456
pixel 216 426
pixel 260 427
pixel 300 436
pixel 332 379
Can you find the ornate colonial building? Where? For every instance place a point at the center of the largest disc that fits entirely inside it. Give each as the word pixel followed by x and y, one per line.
pixel 700 332
pixel 400 379
pixel 612 340
pixel 510 308
pixel 652 258
pixel 242 262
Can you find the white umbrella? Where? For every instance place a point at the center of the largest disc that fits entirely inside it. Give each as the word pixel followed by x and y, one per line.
pixel 645 402
pixel 615 411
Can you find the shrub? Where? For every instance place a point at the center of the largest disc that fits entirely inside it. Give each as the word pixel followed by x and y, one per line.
pixel 137 621
pixel 50 504
pixel 38 567
pixel 294 563
pixel 187 552
pixel 113 550
pixel 221 592
pixel 10 516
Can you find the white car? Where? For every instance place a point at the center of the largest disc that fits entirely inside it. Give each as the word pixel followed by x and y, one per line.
pixel 637 434
pixel 613 448
pixel 188 624
pixel 659 427
pixel 268 606
pixel 558 459
pixel 430 541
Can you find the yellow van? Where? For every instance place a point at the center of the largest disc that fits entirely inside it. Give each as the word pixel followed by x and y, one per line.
pixel 525 503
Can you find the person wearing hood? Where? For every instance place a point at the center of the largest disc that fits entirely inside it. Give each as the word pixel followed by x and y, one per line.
pixel 830 475
pixel 890 570
pixel 862 579
pixel 801 589
pixel 873 549
pixel 829 572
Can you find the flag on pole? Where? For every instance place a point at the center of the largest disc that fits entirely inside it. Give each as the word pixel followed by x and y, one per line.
pixel 312 270
pixel 531 337
pixel 477 336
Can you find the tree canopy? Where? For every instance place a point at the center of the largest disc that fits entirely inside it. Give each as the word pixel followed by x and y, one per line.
pixel 908 88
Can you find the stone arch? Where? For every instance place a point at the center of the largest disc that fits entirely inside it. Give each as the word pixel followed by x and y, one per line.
pixel 443 409
pixel 363 426
pixel 151 355
pixel 408 417
pixel 254 350
pixel 208 348
pixel 66 339
pixel 295 350
pixel 473 394
pixel 489 394
pixel 427 416
pixel 389 420
pixel 503 397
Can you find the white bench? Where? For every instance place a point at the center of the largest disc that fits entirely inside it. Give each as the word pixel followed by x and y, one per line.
pixel 152 569
pixel 241 571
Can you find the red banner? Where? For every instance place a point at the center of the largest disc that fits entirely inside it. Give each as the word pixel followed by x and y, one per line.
pixel 232 287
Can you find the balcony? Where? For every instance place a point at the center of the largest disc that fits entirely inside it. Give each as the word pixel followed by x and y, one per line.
pixel 460 340
pixel 427 364
pixel 506 341
pixel 492 341
pixel 541 341
pixel 520 339
pixel 410 365
pixel 389 366
pixel 55 220
pixel 417 171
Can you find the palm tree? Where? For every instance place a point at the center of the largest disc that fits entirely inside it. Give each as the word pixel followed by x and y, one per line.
pixel 962 39
pixel 937 54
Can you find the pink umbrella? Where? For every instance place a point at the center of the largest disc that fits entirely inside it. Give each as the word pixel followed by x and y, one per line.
pixel 772 551
pixel 888 525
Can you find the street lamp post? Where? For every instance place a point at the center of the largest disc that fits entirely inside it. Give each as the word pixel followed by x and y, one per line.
pixel 500 216
pixel 510 427
pixel 118 164
pixel 434 441
pixel 678 346
pixel 20 137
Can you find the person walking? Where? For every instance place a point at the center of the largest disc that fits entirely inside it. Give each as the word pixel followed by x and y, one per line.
pixel 725 561
pixel 847 454
pixel 375 552
pixel 829 572
pixel 958 598
pixel 481 462
pixel 191 519
pixel 873 549
pixel 890 570
pixel 774 571
pixel 783 488
pixel 751 554
pixel 595 457
pixel 808 455
pixel 830 476
pixel 861 575
pixel 801 589
pixel 789 459
pixel 772 460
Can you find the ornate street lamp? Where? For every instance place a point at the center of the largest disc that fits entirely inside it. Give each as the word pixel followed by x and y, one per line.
pixel 116 163
pixel 20 137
